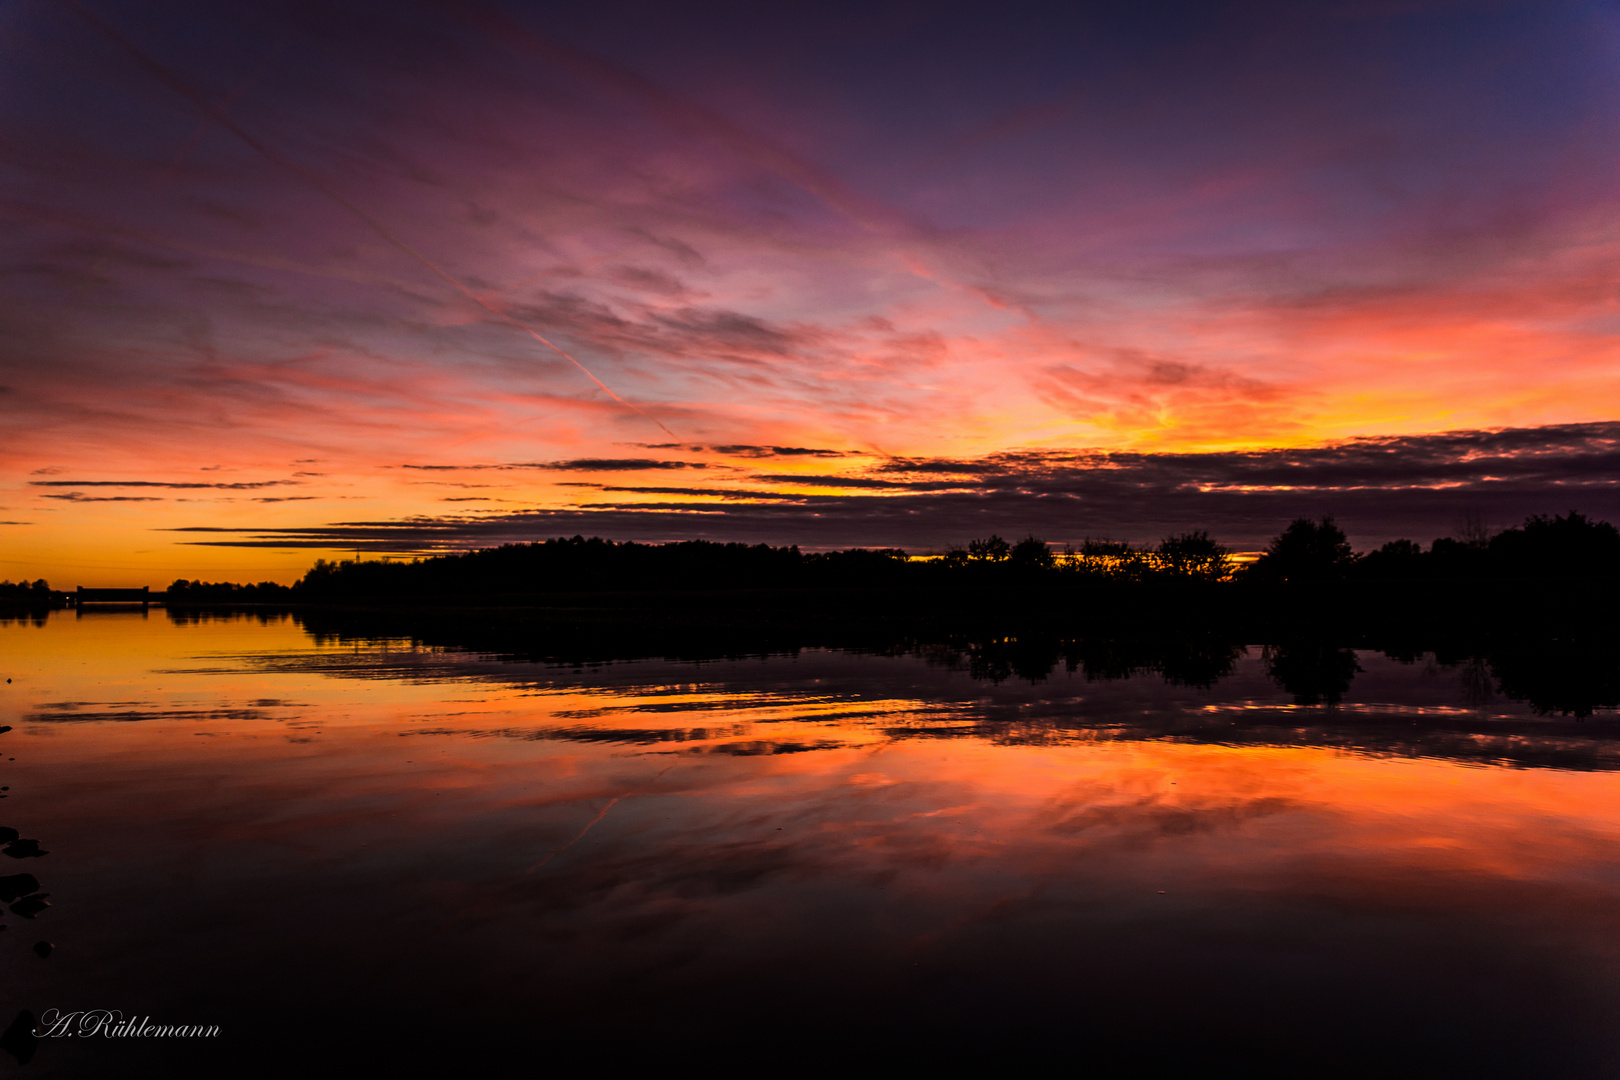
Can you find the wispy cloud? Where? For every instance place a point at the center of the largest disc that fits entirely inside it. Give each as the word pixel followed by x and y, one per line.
pixel 187 485
pixel 1099 287
pixel 748 450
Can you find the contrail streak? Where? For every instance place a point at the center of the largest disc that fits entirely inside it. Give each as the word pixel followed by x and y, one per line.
pixel 600 815
pixel 588 825
pixel 225 104
pixel 173 82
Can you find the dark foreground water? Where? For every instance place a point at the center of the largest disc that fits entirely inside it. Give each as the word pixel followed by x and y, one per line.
pixel 373 856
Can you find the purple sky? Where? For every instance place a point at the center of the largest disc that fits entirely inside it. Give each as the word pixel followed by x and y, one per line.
pixel 264 262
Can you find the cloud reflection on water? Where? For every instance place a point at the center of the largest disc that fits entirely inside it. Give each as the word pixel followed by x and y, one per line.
pixel 606 860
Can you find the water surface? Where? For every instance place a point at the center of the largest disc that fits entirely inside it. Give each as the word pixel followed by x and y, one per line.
pixel 373 851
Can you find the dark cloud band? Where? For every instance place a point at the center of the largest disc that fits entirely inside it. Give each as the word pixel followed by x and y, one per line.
pixel 253 486
pixel 1380 489
pixel 574 465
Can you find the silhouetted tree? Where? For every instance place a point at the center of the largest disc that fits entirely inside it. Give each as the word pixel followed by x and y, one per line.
pixel 1571 545
pixel 853 567
pixel 31 595
pixel 1194 555
pixel 225 592
pixel 1398 559
pixel 991 549
pixel 1455 559
pixel 1031 554
pixel 1306 551
pixel 1471 529
pixel 1112 560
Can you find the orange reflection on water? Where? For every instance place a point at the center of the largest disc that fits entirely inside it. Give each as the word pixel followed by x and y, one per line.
pixel 651 824
pixel 109 694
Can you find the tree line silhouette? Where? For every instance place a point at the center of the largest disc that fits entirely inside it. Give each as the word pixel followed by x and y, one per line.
pixel 1557 673
pixel 26 592
pixel 1308 551
pixel 1563 546
pixel 28 599
pixel 224 592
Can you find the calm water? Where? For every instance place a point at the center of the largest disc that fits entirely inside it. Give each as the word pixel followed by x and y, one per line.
pixel 352 853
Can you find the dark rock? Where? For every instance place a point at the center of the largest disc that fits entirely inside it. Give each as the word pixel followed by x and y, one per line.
pixel 29 906
pixel 8 834
pixel 24 849
pixel 15 885
pixel 42 949
pixel 19 1039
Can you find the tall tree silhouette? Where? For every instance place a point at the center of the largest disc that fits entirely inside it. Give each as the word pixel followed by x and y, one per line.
pixel 1031 554
pixel 1571 545
pixel 1194 555
pixel 1306 551
pixel 991 549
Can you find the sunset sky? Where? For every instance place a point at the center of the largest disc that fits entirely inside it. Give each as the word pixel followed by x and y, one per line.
pixel 289 280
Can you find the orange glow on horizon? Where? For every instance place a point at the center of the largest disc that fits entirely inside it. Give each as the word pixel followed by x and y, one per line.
pixel 274 337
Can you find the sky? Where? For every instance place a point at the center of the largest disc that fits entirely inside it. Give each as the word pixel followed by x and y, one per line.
pixel 281 281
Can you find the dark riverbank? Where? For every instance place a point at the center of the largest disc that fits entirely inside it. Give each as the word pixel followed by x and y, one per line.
pixel 1552 644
